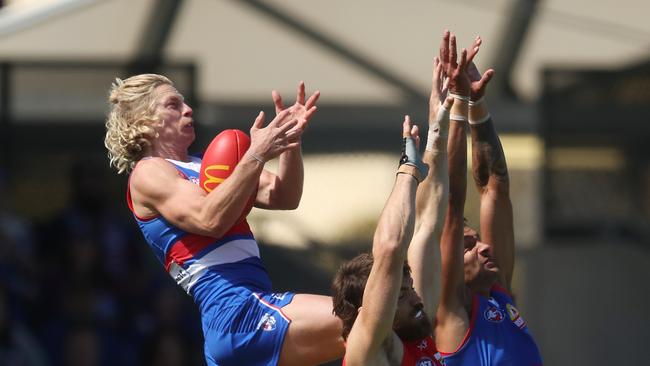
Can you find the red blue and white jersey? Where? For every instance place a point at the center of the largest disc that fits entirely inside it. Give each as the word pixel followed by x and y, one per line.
pixel 497 336
pixel 419 353
pixel 209 269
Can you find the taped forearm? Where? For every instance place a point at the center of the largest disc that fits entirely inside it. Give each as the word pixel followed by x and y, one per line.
pixel 439 131
pixel 411 162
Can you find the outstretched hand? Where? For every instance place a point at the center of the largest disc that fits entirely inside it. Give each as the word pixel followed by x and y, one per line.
pixel 274 139
pixel 478 82
pixel 301 110
pixel 459 82
pixel 439 88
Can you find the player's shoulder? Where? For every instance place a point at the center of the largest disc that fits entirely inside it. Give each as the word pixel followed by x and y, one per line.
pixel 151 171
pixel 151 166
pixel 500 291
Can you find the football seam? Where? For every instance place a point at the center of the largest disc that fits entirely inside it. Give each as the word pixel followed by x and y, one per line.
pixel 238 146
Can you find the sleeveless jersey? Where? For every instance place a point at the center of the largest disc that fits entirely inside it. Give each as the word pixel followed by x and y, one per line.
pixel 497 336
pixel 211 270
pixel 420 353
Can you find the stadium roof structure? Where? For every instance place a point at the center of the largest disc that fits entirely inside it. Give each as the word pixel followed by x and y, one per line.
pixel 355 52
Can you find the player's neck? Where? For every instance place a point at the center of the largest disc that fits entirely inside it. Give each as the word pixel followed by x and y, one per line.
pixel 485 292
pixel 168 152
pixel 482 289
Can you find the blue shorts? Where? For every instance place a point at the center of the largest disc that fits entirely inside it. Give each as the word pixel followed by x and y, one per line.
pixel 249 331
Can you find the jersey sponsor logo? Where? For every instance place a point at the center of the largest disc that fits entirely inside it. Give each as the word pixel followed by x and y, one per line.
pixel 426 361
pixel 513 313
pixel 181 276
pixel 279 296
pixel 494 314
pixel 267 323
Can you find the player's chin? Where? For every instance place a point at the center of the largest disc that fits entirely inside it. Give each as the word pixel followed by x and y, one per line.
pixel 415 330
pixel 190 134
pixel 490 275
pixel 490 267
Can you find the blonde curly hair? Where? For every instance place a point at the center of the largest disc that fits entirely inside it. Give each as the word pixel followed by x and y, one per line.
pixel 131 118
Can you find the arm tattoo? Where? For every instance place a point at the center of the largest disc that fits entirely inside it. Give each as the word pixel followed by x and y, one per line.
pixel 487 155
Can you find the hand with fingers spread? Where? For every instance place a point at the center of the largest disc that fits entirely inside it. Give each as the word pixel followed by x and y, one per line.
pixel 439 89
pixel 269 142
pixel 439 104
pixel 478 81
pixel 455 68
pixel 301 110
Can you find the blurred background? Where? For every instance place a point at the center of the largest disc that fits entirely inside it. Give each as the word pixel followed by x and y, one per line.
pixel 570 100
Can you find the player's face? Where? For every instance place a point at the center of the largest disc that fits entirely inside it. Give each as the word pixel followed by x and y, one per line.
pixel 480 266
pixel 411 322
pixel 176 116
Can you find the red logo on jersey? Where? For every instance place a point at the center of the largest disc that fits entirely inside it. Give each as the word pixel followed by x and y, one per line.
pixel 493 314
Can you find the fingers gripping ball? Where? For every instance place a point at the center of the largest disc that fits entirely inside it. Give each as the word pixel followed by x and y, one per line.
pixel 220 159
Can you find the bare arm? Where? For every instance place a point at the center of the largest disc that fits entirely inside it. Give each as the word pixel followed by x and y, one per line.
pixel 432 196
pixel 373 326
pixel 284 190
pixel 490 174
pixel 156 187
pixel 452 319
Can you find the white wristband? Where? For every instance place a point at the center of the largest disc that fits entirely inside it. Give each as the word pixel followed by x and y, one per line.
pixel 460 97
pixel 458 117
pixel 480 120
pixel 476 102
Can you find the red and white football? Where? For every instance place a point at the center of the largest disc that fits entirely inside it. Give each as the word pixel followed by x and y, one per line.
pixel 220 159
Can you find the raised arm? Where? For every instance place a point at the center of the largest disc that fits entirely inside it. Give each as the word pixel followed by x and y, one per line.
pixel 157 188
pixel 284 190
pixel 432 195
pixel 491 176
pixel 452 320
pixel 373 325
